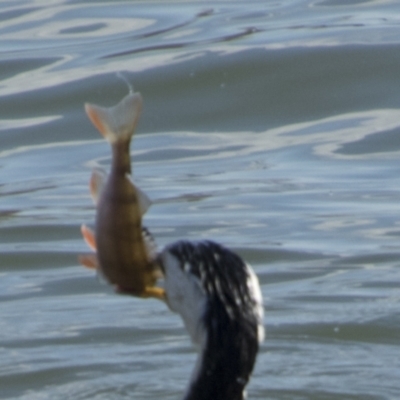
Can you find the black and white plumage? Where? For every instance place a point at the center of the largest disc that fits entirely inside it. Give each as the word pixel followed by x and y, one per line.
pixel 219 299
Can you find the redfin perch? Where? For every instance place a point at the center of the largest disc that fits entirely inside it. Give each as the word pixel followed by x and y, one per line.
pixel 123 255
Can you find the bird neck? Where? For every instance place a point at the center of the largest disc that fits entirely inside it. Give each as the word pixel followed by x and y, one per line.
pixel 220 302
pixel 225 363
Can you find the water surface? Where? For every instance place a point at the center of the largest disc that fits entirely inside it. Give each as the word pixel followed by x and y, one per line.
pixel 269 126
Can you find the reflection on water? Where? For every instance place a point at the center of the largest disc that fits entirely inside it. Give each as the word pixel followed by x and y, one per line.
pixel 268 126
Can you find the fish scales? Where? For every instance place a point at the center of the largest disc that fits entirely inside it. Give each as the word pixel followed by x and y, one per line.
pixel 120 244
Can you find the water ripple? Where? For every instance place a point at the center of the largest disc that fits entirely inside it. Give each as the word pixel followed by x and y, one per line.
pixel 271 127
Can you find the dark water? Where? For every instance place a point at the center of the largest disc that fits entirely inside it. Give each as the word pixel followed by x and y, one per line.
pixel 270 126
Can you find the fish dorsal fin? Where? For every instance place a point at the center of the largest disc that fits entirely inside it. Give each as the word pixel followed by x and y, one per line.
pixel 143 200
pixel 118 122
pixel 97 183
pixel 89 237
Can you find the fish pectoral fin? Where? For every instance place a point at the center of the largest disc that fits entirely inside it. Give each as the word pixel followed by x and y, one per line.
pixel 89 261
pixel 89 237
pixel 143 200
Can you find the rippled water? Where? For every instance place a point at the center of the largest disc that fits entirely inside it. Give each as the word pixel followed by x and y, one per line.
pixel 270 126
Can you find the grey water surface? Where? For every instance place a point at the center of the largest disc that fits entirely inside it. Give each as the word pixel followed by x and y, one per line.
pixel 272 127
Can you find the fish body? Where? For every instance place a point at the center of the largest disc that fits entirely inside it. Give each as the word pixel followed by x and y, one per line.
pixel 123 256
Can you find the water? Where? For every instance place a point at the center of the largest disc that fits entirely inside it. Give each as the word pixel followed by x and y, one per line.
pixel 270 126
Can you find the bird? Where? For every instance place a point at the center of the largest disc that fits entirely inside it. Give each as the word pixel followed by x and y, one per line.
pixel 219 299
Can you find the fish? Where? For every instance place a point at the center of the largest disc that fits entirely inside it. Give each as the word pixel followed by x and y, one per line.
pixel 124 249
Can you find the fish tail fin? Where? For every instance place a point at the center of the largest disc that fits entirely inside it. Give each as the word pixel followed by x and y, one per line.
pixel 119 122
